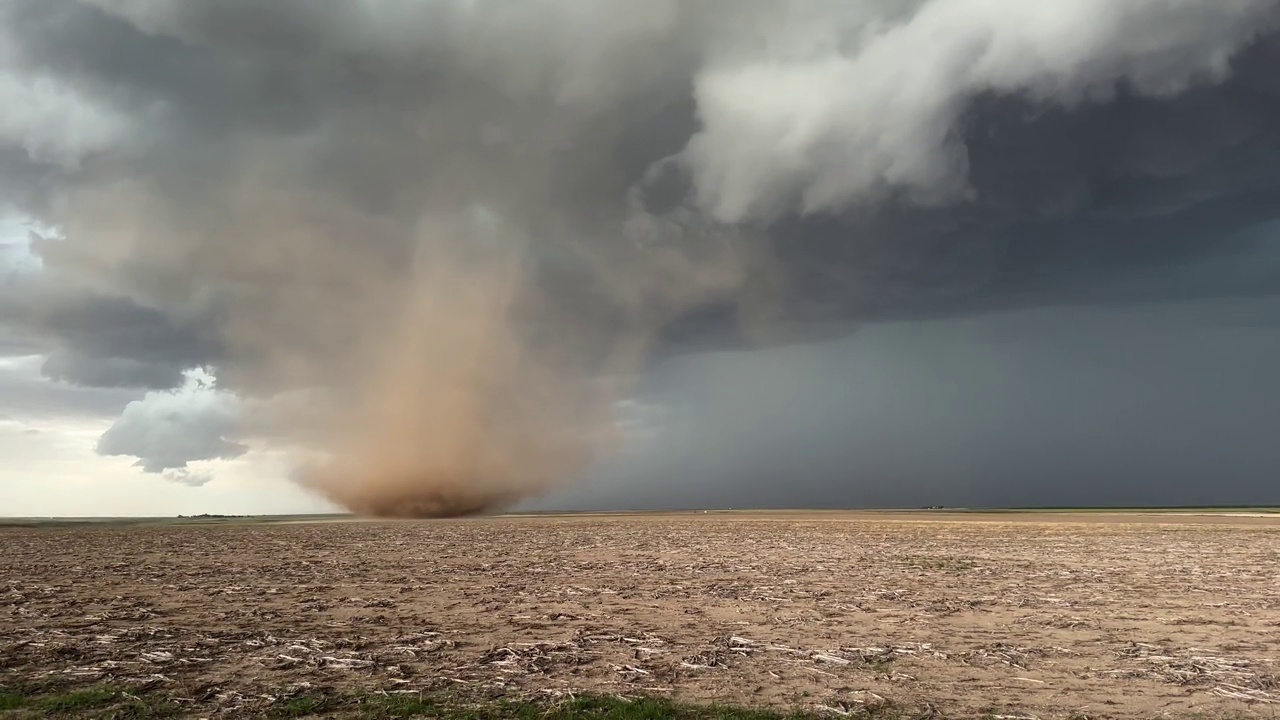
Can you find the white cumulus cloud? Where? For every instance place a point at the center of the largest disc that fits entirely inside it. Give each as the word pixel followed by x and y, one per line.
pixel 167 430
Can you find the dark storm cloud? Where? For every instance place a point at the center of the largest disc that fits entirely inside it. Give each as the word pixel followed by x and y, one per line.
pixel 1070 205
pixel 117 328
pixel 346 197
pixel 1144 405
pixel 101 341
pixel 1058 192
pixel 25 393
pixel 98 371
pixel 1138 199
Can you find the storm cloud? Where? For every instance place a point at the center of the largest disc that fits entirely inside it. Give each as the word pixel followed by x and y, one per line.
pixel 427 247
pixel 1064 406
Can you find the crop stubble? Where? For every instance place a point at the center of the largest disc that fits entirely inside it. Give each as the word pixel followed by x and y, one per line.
pixel 1034 616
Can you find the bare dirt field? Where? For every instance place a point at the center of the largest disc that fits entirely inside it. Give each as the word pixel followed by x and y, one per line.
pixel 1038 615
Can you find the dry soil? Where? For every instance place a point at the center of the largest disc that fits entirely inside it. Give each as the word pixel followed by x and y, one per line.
pixel 1041 615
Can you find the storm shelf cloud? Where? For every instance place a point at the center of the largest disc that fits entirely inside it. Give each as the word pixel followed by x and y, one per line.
pixel 437 251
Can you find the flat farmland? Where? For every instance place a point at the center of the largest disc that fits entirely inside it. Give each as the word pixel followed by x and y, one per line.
pixel 965 615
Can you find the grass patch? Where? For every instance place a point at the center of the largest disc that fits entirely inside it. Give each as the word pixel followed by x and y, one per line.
pixel 142 707
pixel 76 700
pixel 401 706
pixel 579 708
pixel 100 702
pixel 10 700
pixel 113 703
pixel 300 706
pixel 450 707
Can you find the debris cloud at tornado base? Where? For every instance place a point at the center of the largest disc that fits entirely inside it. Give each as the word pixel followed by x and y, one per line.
pixel 429 245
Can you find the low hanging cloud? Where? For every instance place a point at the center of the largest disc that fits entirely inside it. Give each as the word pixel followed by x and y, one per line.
pixel 167 430
pixel 460 230
pixel 188 477
pixel 98 371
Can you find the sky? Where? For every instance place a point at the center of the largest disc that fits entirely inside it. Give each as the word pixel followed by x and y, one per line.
pixel 433 257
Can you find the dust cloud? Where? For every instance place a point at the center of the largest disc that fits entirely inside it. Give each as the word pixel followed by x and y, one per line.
pixel 459 412
pixel 478 388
